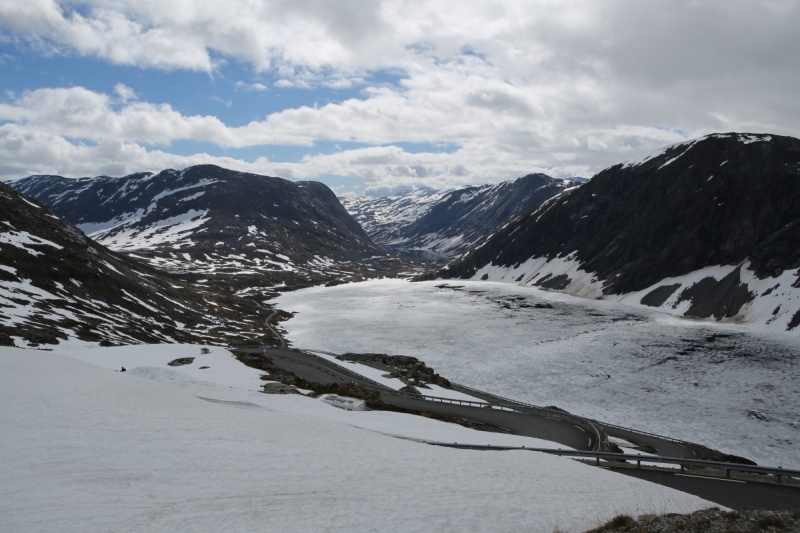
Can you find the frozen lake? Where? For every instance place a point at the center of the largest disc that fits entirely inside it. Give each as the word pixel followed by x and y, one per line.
pixel 725 386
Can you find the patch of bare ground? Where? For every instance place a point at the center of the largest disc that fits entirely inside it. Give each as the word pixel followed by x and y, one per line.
pixel 712 520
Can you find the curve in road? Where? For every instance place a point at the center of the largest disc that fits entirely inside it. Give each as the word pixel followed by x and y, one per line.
pixel 529 425
pixel 665 447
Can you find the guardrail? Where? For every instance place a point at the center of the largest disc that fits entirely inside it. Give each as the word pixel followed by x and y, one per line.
pixel 496 396
pixel 601 438
pixel 584 423
pixel 528 405
pixel 779 472
pixel 601 424
pixel 581 422
pixel 655 435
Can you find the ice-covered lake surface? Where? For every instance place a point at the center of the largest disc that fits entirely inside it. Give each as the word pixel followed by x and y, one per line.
pixel 726 386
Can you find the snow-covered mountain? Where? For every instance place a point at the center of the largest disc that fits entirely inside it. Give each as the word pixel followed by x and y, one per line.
pixel 384 218
pixel 429 224
pixel 209 220
pixel 58 284
pixel 706 228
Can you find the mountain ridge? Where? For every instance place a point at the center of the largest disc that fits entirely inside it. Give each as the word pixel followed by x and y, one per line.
pixel 57 284
pixel 444 224
pixel 207 220
pixel 725 201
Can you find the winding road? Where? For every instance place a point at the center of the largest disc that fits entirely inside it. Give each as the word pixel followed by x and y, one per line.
pixel 546 425
pixel 526 420
pixel 531 421
pixel 520 420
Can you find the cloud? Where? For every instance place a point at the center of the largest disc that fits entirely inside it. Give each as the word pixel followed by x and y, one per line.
pixel 565 87
pixel 124 92
pixel 25 151
pixel 251 86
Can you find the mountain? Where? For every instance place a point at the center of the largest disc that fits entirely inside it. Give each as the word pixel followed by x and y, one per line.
pixel 385 218
pixel 208 220
pixel 58 284
pixel 436 225
pixel 706 228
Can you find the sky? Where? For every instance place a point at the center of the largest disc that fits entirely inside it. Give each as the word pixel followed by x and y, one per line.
pixel 374 96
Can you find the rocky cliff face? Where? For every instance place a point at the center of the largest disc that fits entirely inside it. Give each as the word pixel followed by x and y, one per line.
pixel 707 228
pixel 56 284
pixel 209 220
pixel 444 224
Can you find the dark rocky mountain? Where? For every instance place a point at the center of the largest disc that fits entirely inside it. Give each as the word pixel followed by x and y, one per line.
pixel 444 224
pixel 211 221
pixel 705 228
pixel 58 284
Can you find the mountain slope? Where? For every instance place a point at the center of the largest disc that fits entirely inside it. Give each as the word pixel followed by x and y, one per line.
pixel 704 228
pixel 57 284
pixel 385 218
pixel 445 224
pixel 210 220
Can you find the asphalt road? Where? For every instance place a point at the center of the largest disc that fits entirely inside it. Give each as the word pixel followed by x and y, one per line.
pixel 730 493
pixel 541 427
pixel 735 494
pixel 666 448
pixel 307 372
pixel 529 425
pixel 273 330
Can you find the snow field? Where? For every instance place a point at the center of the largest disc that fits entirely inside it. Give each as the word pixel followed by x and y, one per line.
pixel 224 369
pixel 727 386
pixel 88 449
pixel 772 309
pixel 229 380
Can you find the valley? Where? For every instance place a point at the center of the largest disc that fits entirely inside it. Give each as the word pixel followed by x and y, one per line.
pixel 243 233
pixel 553 323
pixel 399 267
pixel 728 387
pixel 438 225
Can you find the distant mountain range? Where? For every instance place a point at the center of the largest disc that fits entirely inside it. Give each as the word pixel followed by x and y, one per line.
pixel 706 228
pixel 55 283
pixel 207 220
pixel 438 225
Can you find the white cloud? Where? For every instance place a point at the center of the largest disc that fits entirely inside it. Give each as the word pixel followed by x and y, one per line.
pixel 124 92
pixel 566 86
pixel 251 86
pixel 25 150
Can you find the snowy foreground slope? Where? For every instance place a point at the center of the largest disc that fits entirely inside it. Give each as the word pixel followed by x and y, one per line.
pixel 84 448
pixel 733 388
